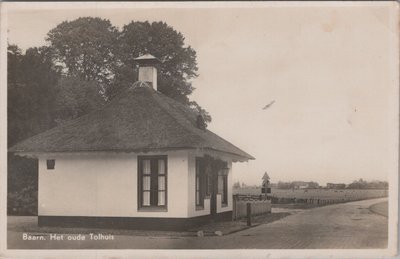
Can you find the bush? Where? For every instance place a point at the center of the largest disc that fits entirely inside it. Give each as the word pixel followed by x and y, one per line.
pixel 22 186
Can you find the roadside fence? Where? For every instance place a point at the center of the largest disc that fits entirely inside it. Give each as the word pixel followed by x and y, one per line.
pixel 251 207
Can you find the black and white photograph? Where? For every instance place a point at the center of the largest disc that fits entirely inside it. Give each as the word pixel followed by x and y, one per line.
pixel 199 129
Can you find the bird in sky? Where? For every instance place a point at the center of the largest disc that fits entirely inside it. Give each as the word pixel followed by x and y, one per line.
pixel 268 105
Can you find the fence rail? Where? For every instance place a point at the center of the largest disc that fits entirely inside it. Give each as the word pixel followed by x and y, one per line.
pixel 249 197
pixel 261 203
pixel 347 197
pixel 320 201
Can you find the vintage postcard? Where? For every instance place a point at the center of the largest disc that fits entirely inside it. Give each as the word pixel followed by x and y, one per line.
pixel 199 129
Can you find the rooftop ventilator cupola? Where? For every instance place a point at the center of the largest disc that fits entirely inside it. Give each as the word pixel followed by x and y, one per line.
pixel 147 69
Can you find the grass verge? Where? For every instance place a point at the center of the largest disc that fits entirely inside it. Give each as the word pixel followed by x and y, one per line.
pixel 380 208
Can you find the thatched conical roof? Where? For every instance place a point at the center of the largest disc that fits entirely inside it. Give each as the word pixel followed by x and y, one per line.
pixel 139 119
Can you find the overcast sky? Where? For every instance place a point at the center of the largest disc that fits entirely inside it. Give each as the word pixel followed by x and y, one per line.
pixel 330 69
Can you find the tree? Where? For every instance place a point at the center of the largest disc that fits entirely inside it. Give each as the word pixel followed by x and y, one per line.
pixel 178 68
pixel 76 97
pixel 31 92
pixel 14 57
pixel 286 185
pixel 94 50
pixel 85 48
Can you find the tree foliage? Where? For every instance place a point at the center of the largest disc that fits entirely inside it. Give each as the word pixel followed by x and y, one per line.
pixel 76 97
pixel 85 48
pixel 31 91
pixel 93 49
pixel 362 184
pixel 178 66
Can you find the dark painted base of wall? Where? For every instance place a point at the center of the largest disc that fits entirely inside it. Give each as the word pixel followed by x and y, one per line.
pixel 180 224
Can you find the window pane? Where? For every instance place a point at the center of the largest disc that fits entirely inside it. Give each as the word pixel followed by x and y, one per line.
pixel 197 183
pixel 161 166
pixel 225 188
pixel 146 183
pixel 146 166
pixel 197 197
pixel 161 198
pixel 197 166
pixel 220 184
pixel 161 183
pixel 146 198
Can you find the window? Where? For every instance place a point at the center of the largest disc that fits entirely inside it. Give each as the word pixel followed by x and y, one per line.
pixel 51 164
pixel 199 182
pixel 223 184
pixel 152 181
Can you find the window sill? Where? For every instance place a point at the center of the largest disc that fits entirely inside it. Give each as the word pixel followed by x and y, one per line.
pixel 152 209
pixel 198 207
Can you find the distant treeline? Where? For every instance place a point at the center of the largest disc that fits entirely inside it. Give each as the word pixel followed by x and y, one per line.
pixel 361 184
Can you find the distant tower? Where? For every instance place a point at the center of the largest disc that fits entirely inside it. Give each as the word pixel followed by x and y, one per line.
pixel 266 186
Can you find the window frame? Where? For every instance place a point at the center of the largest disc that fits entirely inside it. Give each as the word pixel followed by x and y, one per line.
pixel 224 197
pixel 224 178
pixel 153 160
pixel 200 179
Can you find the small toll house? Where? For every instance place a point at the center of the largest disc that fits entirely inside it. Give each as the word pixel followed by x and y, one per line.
pixel 144 161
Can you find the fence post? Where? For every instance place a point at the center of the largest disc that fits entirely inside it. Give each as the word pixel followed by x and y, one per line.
pixel 248 205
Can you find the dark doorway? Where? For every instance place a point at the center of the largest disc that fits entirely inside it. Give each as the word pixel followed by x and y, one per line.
pixel 212 167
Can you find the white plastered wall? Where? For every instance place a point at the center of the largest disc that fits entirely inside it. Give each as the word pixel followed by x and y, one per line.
pixel 95 184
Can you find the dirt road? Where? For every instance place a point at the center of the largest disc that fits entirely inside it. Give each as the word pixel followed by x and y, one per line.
pixel 348 225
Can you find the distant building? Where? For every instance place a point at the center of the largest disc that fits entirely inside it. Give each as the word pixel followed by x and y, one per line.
pixel 313 185
pixel 335 185
pixel 304 185
pixel 299 185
